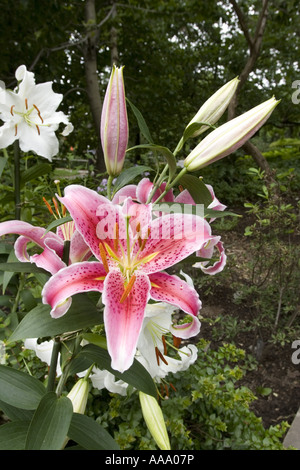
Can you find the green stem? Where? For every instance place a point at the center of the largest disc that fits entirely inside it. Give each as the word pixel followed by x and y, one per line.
pixel 66 252
pixel 170 185
pixel 53 365
pixel 65 372
pixel 157 184
pixel 109 182
pixel 17 181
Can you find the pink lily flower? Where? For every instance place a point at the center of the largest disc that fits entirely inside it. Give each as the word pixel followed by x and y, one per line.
pixel 141 192
pixel 51 243
pixel 133 252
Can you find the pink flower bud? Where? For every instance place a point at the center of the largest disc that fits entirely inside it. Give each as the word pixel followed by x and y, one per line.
pixel 114 123
pixel 230 136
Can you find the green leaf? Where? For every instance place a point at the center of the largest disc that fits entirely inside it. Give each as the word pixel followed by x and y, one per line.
pixel 128 175
pixel 136 375
pixel 141 122
pixel 50 424
pixel 20 389
pixel 94 338
pixel 3 162
pixel 35 171
pixel 89 434
pixel 13 435
pixel 15 414
pixel 58 222
pixel 38 323
pixel 197 189
pixel 20 267
pixel 170 158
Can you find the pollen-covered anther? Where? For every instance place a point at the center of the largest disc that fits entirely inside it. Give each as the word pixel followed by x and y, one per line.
pixel 176 342
pixel 16 129
pixel 145 240
pixel 116 236
pixel 165 344
pixel 48 206
pixel 38 129
pixel 26 103
pixel 103 257
pixel 159 356
pixel 38 112
pixel 128 288
pixel 12 110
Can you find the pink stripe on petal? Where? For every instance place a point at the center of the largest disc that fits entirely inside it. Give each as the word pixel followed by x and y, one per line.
pixel 173 237
pixel 124 193
pixel 123 321
pixel 71 280
pixel 82 203
pixel 175 291
pixel 186 330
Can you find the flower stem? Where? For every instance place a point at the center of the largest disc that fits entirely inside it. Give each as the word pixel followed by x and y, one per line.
pixel 53 365
pixel 17 180
pixel 109 182
pixel 170 185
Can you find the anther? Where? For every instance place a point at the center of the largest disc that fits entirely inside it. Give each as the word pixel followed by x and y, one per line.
pixel 26 103
pixel 11 110
pixel 128 289
pixel 180 188
pixel 56 206
pixel 39 113
pixel 145 240
pixel 16 129
pixel 172 386
pixel 38 129
pixel 159 356
pixel 165 345
pixel 176 341
pixel 48 206
pixel 116 236
pixel 103 257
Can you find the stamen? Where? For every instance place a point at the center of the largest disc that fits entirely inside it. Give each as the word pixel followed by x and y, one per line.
pixel 180 188
pixel 11 110
pixel 128 289
pixel 38 129
pixel 49 207
pixel 145 240
pixel 39 113
pixel 165 344
pixel 167 390
pixel 26 103
pixel 176 341
pixel 56 206
pixel 111 253
pixel 159 356
pixel 172 386
pixel 16 129
pixel 116 236
pixel 103 257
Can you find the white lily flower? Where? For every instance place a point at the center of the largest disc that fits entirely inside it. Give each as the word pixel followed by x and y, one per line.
pixel 157 322
pixel 43 351
pixel 29 115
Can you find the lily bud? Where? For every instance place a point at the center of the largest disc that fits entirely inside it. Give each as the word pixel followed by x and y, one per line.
pixel 114 123
pixel 211 111
pixel 229 137
pixel 79 395
pixel 154 420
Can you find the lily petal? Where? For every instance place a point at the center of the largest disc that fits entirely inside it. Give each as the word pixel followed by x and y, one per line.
pixel 207 252
pixel 71 280
pixel 123 321
pixel 172 238
pixel 82 203
pixel 124 193
pixel 175 291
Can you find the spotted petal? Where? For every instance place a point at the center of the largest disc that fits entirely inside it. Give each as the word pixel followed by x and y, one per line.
pixel 82 203
pixel 71 280
pixel 123 320
pixel 172 238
